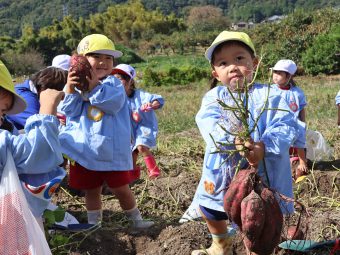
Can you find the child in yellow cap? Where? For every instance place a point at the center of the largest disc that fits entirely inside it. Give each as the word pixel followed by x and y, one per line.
pixel 97 135
pixel 233 62
pixel 37 153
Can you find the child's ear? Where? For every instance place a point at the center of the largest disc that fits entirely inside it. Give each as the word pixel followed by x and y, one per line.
pixel 215 75
pixel 255 63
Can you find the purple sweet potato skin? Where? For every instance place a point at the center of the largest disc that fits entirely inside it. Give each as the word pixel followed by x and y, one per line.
pixel 252 216
pixel 256 211
pixel 82 67
pixel 238 189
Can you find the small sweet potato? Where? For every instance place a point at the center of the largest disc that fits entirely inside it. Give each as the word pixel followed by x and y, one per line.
pixel 294 233
pixel 82 67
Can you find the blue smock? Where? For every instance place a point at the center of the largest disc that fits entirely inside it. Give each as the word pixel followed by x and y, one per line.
pixel 295 98
pixel 36 154
pixel 145 128
pixel 97 134
pixel 296 101
pixel 276 129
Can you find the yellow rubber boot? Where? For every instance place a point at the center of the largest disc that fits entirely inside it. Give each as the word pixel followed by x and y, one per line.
pixel 221 245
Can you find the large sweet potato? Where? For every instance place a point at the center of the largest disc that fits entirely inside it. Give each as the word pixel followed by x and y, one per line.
pixel 238 189
pixel 252 216
pixel 272 228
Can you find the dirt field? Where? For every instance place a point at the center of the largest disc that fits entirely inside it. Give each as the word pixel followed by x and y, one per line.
pixel 165 200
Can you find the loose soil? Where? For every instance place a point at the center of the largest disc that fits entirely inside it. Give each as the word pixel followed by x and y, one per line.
pixel 165 200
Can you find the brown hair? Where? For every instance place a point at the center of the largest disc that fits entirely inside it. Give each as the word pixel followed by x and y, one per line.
pixel 49 78
pixel 213 82
pixel 291 81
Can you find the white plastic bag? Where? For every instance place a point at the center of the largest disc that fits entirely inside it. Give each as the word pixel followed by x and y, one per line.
pixel 317 147
pixel 20 233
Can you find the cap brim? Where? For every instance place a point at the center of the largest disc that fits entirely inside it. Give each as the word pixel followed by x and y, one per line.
pixel 119 71
pixel 279 69
pixel 113 53
pixel 19 105
pixel 211 49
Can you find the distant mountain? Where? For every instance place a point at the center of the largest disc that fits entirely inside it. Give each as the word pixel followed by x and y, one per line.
pixel 39 13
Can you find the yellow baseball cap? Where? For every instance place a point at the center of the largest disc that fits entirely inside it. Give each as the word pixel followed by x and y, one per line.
pixel 98 43
pixel 229 36
pixel 6 82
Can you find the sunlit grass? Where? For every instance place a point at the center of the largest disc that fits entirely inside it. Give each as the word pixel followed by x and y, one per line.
pixel 183 102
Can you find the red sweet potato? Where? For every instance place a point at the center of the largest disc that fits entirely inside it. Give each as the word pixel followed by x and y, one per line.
pixel 252 216
pixel 82 67
pixel 238 189
pixel 272 228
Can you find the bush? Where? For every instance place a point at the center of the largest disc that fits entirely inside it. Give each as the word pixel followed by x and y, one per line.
pixel 23 63
pixel 322 57
pixel 129 56
pixel 174 76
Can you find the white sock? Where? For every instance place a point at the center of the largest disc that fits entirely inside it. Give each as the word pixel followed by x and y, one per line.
pixel 94 216
pixel 135 217
pixel 133 214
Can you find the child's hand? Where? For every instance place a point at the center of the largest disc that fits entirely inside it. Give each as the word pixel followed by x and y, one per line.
pixel 62 118
pixel 154 105
pixel 72 81
pixel 252 151
pixel 301 168
pixel 49 100
pixel 93 80
pixel 147 107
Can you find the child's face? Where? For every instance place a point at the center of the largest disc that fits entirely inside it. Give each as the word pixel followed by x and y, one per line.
pixel 232 63
pixel 101 64
pixel 281 78
pixel 6 101
pixel 126 82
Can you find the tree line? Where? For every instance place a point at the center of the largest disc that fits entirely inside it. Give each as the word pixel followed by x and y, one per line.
pixel 14 15
pixel 311 38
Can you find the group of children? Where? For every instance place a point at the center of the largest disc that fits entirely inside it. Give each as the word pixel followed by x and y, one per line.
pixel 100 135
pixel 109 125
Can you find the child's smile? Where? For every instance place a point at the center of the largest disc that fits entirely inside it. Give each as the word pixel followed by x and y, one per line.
pixel 101 64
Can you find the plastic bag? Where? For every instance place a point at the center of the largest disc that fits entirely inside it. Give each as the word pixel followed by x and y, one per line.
pixel 20 233
pixel 317 147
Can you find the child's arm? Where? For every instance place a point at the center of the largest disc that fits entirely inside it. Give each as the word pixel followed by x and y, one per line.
pixel 109 96
pixel 210 118
pixel 72 103
pixel 302 115
pixel 281 129
pixel 39 150
pixel 49 100
pixel 154 105
pixel 302 167
pixel 150 101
